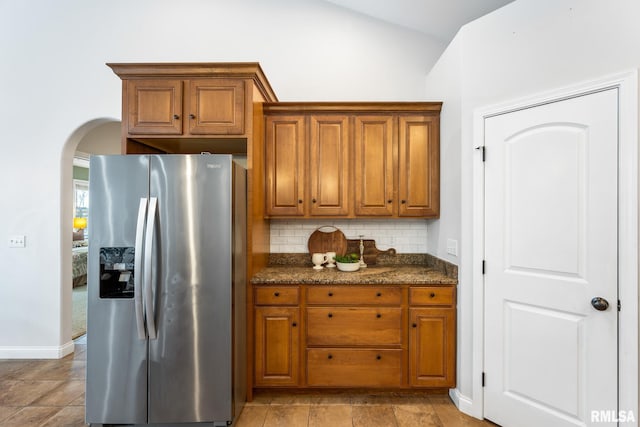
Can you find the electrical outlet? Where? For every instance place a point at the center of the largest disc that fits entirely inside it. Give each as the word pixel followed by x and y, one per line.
pixel 452 247
pixel 17 241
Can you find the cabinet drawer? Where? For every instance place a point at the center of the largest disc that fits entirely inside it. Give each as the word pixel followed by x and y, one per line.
pixel 432 295
pixel 280 295
pixel 337 326
pixel 360 295
pixel 354 367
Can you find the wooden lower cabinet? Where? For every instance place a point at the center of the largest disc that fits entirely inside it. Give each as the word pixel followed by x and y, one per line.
pixel 355 336
pixel 432 349
pixel 354 367
pixel 277 346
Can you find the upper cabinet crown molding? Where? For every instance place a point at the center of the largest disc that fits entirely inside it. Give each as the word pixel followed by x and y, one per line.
pixel 169 70
pixel 430 108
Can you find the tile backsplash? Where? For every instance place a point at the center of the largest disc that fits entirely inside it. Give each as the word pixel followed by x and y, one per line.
pixel 404 235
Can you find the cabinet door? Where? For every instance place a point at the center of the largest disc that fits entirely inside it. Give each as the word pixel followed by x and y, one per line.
pixel 432 348
pixel 329 165
pixel 277 346
pixel 154 107
pixel 419 166
pixel 374 166
pixel 285 166
pixel 216 107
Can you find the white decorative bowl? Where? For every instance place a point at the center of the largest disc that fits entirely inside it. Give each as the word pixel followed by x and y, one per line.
pixel 348 266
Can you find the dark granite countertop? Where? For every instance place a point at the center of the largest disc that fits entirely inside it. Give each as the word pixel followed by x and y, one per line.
pixel 427 272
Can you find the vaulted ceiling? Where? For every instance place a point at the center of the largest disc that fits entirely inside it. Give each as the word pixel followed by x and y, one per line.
pixel 440 19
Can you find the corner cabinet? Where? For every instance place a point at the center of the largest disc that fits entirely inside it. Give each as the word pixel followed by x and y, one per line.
pixel 363 160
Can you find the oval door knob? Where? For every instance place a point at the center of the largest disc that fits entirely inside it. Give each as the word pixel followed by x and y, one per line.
pixel 600 303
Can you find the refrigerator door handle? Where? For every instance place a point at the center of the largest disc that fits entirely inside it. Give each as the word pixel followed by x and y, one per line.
pixel 137 276
pixel 148 252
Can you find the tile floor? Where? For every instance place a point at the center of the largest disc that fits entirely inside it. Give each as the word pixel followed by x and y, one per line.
pixel 50 393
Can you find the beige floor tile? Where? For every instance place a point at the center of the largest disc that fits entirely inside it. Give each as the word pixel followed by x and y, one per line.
pixel 252 416
pixel 23 393
pixel 291 399
pixel 72 416
pixel 58 370
pixel 330 415
pixel 416 415
pixel 450 416
pixel 63 395
pixel 373 416
pixel 30 416
pixel 339 398
pixel 7 411
pixel 79 401
pixel 287 416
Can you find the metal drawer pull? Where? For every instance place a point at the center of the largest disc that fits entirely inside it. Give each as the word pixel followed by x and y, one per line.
pixel 432 294
pixel 330 315
pixel 277 294
pixel 378 315
pixel 330 294
pixel 294 324
pixel 378 357
pixel 330 357
pixel 379 294
pixel 415 325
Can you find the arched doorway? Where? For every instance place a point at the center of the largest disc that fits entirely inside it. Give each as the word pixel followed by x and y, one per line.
pixel 99 136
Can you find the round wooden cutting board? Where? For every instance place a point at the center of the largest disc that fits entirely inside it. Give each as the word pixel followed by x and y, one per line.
pixel 327 239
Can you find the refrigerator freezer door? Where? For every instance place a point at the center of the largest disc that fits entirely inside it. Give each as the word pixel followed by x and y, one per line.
pixel 116 390
pixel 190 361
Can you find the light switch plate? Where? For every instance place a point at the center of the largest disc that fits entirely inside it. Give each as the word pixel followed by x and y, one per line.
pixel 17 241
pixel 452 247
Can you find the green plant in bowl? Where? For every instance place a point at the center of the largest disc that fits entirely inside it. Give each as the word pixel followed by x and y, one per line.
pixel 350 262
pixel 347 259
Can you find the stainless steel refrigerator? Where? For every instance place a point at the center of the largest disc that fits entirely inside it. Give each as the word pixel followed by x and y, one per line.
pixel 166 327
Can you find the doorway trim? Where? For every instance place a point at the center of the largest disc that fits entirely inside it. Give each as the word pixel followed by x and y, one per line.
pixel 628 319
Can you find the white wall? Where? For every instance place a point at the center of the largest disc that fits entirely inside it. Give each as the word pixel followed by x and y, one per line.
pixel 55 88
pixel 527 47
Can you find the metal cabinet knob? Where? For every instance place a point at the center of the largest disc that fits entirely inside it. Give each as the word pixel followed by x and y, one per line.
pixel 277 294
pixel 330 315
pixel 403 201
pixel 378 315
pixel 299 201
pixel 600 303
pixel 192 116
pixel 176 117
pixel 294 324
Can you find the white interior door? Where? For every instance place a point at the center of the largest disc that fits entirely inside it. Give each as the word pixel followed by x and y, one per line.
pixel 551 202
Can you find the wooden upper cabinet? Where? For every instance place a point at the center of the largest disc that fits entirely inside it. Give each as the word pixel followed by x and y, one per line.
pixel 285 165
pixel 419 166
pixel 329 165
pixel 362 159
pixel 216 106
pixel 210 106
pixel 373 171
pixel 154 107
pixel 189 108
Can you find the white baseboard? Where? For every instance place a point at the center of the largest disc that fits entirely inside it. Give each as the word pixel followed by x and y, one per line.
pixel 463 403
pixel 37 352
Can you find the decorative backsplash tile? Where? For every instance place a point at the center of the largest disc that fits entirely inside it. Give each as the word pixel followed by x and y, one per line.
pixel 405 236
